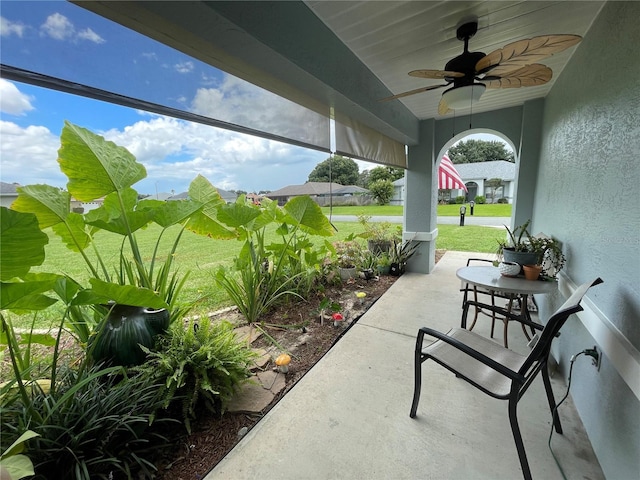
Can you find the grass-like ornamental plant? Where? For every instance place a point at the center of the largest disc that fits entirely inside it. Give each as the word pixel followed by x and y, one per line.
pixel 266 274
pixel 203 362
pixel 95 425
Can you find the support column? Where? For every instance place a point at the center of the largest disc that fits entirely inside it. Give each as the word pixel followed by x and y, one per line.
pixel 420 201
pixel 528 162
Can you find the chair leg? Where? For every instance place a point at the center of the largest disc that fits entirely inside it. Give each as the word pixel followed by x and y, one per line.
pixel 418 376
pixel 517 437
pixel 551 399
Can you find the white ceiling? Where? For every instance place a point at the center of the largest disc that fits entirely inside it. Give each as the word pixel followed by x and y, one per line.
pixel 393 38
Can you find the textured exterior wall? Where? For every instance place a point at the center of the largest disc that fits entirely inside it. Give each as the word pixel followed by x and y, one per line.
pixel 587 196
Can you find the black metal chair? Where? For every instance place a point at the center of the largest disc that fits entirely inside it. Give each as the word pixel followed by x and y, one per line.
pixel 495 370
pixel 492 294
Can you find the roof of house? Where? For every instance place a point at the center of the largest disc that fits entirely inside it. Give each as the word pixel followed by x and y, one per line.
pixel 226 195
pixel 486 170
pixel 9 188
pixel 309 188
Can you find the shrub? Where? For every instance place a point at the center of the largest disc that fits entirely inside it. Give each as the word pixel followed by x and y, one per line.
pixel 202 361
pixel 382 191
pixel 94 425
pixel 480 199
pixel 460 199
pixel 503 200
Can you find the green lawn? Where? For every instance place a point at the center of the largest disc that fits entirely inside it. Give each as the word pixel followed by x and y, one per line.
pixel 202 255
pixel 493 210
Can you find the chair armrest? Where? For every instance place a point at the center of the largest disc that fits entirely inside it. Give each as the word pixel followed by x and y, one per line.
pixel 498 367
pixel 506 313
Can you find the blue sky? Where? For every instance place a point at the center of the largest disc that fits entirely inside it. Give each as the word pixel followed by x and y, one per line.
pixel 63 40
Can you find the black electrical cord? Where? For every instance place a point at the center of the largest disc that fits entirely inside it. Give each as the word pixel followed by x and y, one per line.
pixel 555 410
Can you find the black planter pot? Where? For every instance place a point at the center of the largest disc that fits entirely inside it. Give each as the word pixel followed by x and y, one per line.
pixel 522 258
pixel 125 328
pixel 396 269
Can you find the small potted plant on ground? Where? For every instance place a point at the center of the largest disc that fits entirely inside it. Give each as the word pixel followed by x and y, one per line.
pixel 348 254
pixel 379 235
pixel 384 264
pixel 399 253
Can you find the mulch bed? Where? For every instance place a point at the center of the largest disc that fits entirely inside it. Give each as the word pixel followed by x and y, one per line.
pixel 214 436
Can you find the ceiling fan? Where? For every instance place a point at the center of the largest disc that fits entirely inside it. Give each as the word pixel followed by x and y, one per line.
pixel 511 66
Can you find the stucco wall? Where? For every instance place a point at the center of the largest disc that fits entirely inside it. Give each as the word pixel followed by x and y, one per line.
pixel 587 196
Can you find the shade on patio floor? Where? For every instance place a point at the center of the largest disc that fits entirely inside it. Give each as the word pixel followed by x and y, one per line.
pixel 348 418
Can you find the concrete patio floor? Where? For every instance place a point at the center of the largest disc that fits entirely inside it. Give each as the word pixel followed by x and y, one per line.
pixel 348 418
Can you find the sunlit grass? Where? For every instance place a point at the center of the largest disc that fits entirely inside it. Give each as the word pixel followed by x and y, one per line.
pixel 200 256
pixel 484 210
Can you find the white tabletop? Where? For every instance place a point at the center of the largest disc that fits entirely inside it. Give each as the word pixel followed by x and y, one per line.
pixel 490 277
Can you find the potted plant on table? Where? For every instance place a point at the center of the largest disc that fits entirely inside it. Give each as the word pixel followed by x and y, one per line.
pixel 540 251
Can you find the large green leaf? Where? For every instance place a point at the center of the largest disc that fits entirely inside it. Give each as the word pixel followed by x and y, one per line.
pixel 94 166
pixel 50 204
pixel 25 296
pixel 238 215
pixel 203 224
pixel 169 213
pixel 73 233
pixel 201 191
pixel 21 243
pixel 127 294
pixel 307 214
pixel 111 216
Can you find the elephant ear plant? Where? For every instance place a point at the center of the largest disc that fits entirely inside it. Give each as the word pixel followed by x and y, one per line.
pixel 265 274
pixel 97 169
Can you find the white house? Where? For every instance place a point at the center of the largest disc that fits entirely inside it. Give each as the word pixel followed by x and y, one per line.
pixel 475 176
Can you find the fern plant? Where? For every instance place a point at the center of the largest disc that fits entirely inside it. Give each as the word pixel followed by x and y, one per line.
pixel 201 363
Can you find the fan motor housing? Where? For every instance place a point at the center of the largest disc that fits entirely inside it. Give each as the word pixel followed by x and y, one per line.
pixel 464 63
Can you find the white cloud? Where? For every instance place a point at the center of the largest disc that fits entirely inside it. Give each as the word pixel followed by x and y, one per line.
pixel 12 100
pixel 184 67
pixel 174 152
pixel 88 34
pixel 29 155
pixel 8 28
pixel 58 27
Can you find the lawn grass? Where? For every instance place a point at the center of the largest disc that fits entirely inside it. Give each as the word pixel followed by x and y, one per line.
pixel 484 210
pixel 200 256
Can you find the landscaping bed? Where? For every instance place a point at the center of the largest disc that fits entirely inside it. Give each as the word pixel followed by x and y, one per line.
pixel 213 436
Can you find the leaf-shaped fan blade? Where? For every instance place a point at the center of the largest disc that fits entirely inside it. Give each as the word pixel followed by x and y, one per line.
pixel 413 92
pixel 435 74
pixel 529 76
pixel 527 51
pixel 443 108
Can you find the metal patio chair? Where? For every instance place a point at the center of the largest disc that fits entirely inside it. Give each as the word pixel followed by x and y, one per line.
pixel 492 294
pixel 495 370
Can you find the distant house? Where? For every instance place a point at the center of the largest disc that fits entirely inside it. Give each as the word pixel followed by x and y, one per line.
pixel 228 197
pixel 8 193
pixel 322 193
pixel 475 176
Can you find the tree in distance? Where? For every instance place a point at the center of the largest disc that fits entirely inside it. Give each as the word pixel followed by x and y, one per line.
pixel 337 169
pixel 473 151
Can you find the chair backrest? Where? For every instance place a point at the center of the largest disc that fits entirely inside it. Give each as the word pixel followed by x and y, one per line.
pixel 543 346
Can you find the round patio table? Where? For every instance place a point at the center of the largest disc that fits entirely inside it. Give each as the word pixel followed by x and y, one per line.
pixel 490 278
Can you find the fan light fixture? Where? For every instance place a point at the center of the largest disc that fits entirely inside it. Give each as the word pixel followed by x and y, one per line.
pixel 462 97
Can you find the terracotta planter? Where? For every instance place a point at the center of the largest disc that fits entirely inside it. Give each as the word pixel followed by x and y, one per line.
pixel 532 272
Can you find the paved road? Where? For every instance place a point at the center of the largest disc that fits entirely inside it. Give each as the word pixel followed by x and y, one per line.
pixel 468 220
